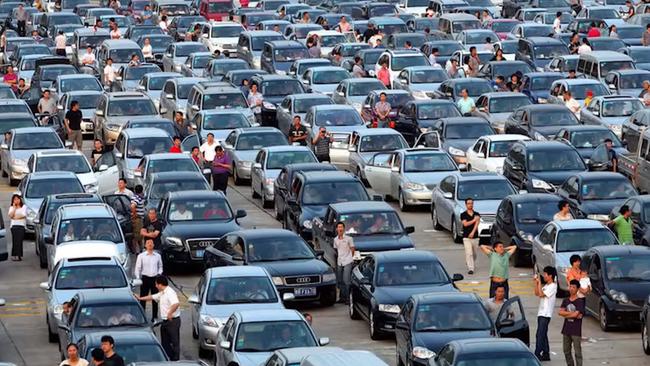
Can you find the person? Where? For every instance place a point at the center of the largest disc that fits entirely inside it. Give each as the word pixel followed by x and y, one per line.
pixel 557 23
pixel 344 246
pixel 308 317
pixel 152 228
pixel 500 84
pixel 88 57
pixel 97 356
pixel 306 18
pixel 59 42
pixel 593 32
pixel 498 56
pixel 382 110
pixel 297 132
pixel 645 93
pixel 121 188
pixel 378 40
pixel 73 356
pixel 184 127
pixel 629 10
pixel 21 19
pixel 344 26
pixel 10 78
pixel 470 220
pixel 487 17
pixel 170 312
pixel 73 125
pixel 572 74
pixel 314 50
pixel 575 272
pixel 220 170
pixel 564 212
pixel 97 152
pixel 515 82
pixel 574 43
pixel 17 214
pixel 137 215
pixel 571 103
pixel 465 103
pixel 217 54
pixel 321 143
pixel 474 62
pixel 98 25
pixel 181 213
pixel 611 154
pixel 135 60
pixel 255 100
pixel 645 38
pixel 433 57
pixel 623 225
pixel 38 4
pixel 46 104
pixel 572 310
pixel 589 96
pixel 111 358
pixel 147 50
pixel 408 45
pixel 499 257
pixel 453 70
pixel 109 73
pixel 612 31
pixel 163 23
pixel 487 46
pixel 208 149
pixel 493 304
pixel 585 47
pixel 547 295
pixel 244 87
pixel 358 70
pixel 147 15
pixel 384 75
pixel 176 146
pixel 22 88
pixel 148 266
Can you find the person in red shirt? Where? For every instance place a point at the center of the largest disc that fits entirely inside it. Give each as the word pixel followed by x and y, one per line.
pixel 384 75
pixel 176 148
pixel 593 31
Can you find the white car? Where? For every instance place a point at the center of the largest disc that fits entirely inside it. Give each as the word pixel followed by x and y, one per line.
pixel 68 161
pixel 222 36
pixel 85 249
pixel 488 152
pixel 327 39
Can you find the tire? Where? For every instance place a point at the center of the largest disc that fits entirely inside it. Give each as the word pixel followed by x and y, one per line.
pixel 265 203
pixel 328 298
pixel 205 353
pixel 458 239
pixel 434 218
pixel 469 168
pixel 375 334
pixel 519 259
pixel 354 314
pixel 238 181
pixel 253 193
pixel 402 204
pixel 603 318
pixel 645 337
pixel 42 258
pixel 51 337
pixel 195 335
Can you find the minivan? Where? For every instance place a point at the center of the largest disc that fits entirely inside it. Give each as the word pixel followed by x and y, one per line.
pixel 251 44
pixel 453 24
pixel 278 56
pixel 597 64
pixel 119 50
pixel 215 9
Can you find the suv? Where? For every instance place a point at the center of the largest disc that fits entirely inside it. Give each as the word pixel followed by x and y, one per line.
pixel 221 36
pixel 537 52
pixel 115 109
pixel 275 88
pixel 135 143
pixel 119 50
pixel 399 59
pixel 251 43
pixel 277 56
pixel 207 95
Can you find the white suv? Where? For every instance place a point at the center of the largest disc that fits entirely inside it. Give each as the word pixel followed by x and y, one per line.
pixel 222 36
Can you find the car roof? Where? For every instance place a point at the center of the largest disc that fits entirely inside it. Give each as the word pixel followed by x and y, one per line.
pixel 308 95
pixel 74 196
pixel 326 68
pixel 534 197
pixel 621 250
pixel 120 43
pixel 282 148
pixel 85 210
pixel 268 315
pixel 32 130
pixel 127 94
pixel 254 130
pixel 295 355
pixel 285 44
pixel 362 207
pixel 464 120
pixel 585 127
pixel 543 107
pixel 533 145
pixel 144 132
pixel 52 175
pixel 131 336
pixel 167 155
pixel 505 137
pixel 489 345
pixel 84 92
pixel 543 40
pixel 445 297
pixel 410 256
pixel 101 296
pixel 176 176
pixel 587 176
pixel 479 176
pixel 376 132
pixel 236 271
pixel 89 261
pixel 76 76
pixel 59 152
pixel 196 194
pixel 579 224
pixel 328 176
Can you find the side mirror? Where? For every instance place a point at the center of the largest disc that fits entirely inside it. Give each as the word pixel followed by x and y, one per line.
pixel 462 167
pixel 140 87
pixel 257 166
pixel 64 327
pixel 204 35
pixel 118 78
pixel 547 247
pixel 119 155
pixel 394 169
pixel 4 147
pixel 103 168
pixel 409 229
pixel 287 296
pixel 224 345
pixel 48 240
pixel 324 341
pixel 365 281
pixel 596 113
pixel 448 195
pixel 68 144
pixel 340 93
pixel 240 213
pixel 37 221
pixel 59 107
pixel 401 325
pixel 169 96
pixel 517 167
pixel 99 113
pixel 480 155
pixel 352 148
pixel 505 323
pixel 136 282
pixel 377 198
pixel 138 173
pixel 193 299
pixel 44 286
pixel 457 277
pixel 195 107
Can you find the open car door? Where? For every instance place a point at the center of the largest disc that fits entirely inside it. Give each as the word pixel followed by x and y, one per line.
pixel 378 172
pixel 600 159
pixel 189 142
pixel 339 154
pixel 511 321
pixel 122 205
pixel 428 139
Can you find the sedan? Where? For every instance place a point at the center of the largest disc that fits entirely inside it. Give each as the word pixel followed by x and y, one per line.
pixel 324 79
pixel 282 184
pixel 494 351
pixel 497 107
pixel 489 152
pixel 421 81
pixel 196 63
pixel 152 84
pixel 68 161
pixel 459 133
pixel 177 53
pixel 586 139
pixel 539 121
pixel 243 144
pixel 476 37
pixel 298 105
pixel 640 206
pixel 424 113
pixel 160 184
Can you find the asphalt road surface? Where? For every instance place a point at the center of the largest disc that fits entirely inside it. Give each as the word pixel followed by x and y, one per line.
pixel 23 334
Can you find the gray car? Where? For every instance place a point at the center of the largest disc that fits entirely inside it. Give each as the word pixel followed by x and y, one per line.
pixel 250 336
pixel 174 95
pixel 355 91
pixel 364 144
pixel 324 79
pixel 298 105
pixel 627 82
pixel 75 82
pixel 448 201
pixel 498 106
pixel 87 105
pixel 409 175
pixel 243 144
pixel 177 53
pixel 610 111
pixel 223 290
pixel 421 81
pixel 152 83
pixel 293 356
pixel 135 143
pixel 196 63
pixel 164 162
pixel 117 108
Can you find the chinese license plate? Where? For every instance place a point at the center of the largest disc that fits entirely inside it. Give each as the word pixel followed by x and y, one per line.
pixel 304 291
pixel 199 253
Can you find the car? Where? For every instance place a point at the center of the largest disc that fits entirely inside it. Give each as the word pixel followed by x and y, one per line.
pixel 587 138
pixel 262 332
pixel 562 63
pixel 448 201
pixel 118 50
pixel 541 166
pixel 138 347
pixel 133 144
pixel 277 56
pixel 196 64
pixel 639 206
pixel 206 95
pixel 496 107
pixel 78 82
pixel 607 44
pixel 219 122
pixel 450 89
pixel 291 356
pixel 627 82
pixel 243 144
pixel 397 60
pixel 393 277
pixel 167 125
pixel 421 81
pixel 324 79
pixel 163 162
pixel 87 104
pixel 23 143
pixel 346 50
pixel 540 121
pixel 299 67
pixel 71 276
pixel 235 77
pixel 282 184
pixel 475 37
pixel 297 105
pixel 68 160
pixel 528 30
pixel 221 36
pixel 488 152
pixel 354 91
pixel 115 109
pixel 425 324
pixel 159 184
pixel 152 83
pixel 578 89
pixel 409 175
pixel 128 77
pixel 538 52
pixel 640 56
pixel 251 44
pixel 364 144
pixel 275 88
pixel 457 134
pixel 217 69
pixel 396 99
pixel 193 220
pixel 537 85
pixel 177 53
pixel 223 290
pixel 610 111
pixel 488 350
pixel 424 113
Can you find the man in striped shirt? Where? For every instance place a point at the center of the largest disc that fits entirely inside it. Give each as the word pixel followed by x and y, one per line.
pixel 137 215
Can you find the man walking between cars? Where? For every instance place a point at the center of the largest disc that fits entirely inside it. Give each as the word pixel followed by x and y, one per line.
pixel 499 259
pixel 321 144
pixel 148 266
pixel 297 132
pixel 572 310
pixel 220 170
pixel 170 335
pixel 547 295
pixel 137 215
pixel 344 246
pixel 73 125
pixel 470 220
pixel 21 19
pixel 623 225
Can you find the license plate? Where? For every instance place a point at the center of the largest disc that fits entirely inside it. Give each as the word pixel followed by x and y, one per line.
pixel 199 253
pixel 305 291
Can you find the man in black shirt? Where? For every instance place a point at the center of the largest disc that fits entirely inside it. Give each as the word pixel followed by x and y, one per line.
pixel 611 154
pixel 97 356
pixel 368 33
pixel 73 124
pixel 151 228
pixel 470 220
pixel 97 152
pixel 298 132
pixel 110 357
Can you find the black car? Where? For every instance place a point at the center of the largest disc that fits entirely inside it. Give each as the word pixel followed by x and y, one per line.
pixel 587 138
pixel 275 88
pixel 382 282
pixel 457 134
pixel 510 7
pixel 424 113
pixel 540 121
pixel 193 221
pixel 426 323
pixel 314 191
pixel 640 206
pixel 519 218
pixel 294 266
pixel 359 218
pixel 485 351
pixel 620 283
pixel 594 195
pixel 158 185
pixel 541 166
pixel 282 184
pixel 135 347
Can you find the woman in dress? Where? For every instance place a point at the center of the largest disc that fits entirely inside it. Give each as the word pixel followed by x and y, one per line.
pixel 17 214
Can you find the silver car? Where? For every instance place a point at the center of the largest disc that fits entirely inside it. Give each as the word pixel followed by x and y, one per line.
pixel 355 91
pixel 174 96
pixel 448 201
pixel 243 144
pixel 421 81
pixel 152 83
pixel 498 106
pixel 268 163
pixel 298 105
pixel 117 108
pixel 364 144
pixel 250 336
pixel 223 290
pixel 409 175
pixel 87 105
pixel 75 82
pixel 293 356
pixel 178 52
pixel 559 240
pixel 610 111
pixel 135 143
pixel 324 79
pixel 627 82
pixel 196 63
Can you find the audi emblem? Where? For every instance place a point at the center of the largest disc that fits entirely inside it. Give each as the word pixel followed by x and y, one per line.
pixel 205 244
pixel 303 280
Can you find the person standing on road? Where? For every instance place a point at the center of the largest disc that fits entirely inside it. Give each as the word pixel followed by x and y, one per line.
pixel 73 125
pixel 358 70
pixel 59 43
pixel 565 213
pixel 73 356
pixel 470 220
pixel 575 272
pixel 474 62
pixel 208 149
pixel 170 312
pixel 255 100
pixel 109 73
pixel 611 154
pixel 344 246
pixel 493 304
pixel 321 144
pixel 21 19
pixel 384 75
pixel 645 39
pixel 111 358
pixel 176 147
pixel 382 110
pixel 571 103
pixel 47 104
pixel 466 103
pixel 623 225
pixel 151 228
pixel 121 188
pixel 183 126
pixel 88 58
pixel 148 266
pixel 499 269
pixel 220 170
pixel 557 23
pixel 17 214
pixel 297 132
pixel 98 151
pixel 137 215
pixel 547 295
pixel 572 310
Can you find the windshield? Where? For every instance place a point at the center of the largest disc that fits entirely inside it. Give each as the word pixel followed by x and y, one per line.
pixel 331 40
pixel 606 67
pixel 82 84
pixel 136 73
pixel 364 88
pixel 502 27
pixel 501 68
pixel 65 19
pixel 419 163
pixel 271 335
pixel 45 187
pixel 500 149
pixel 184 50
pixel 302 32
pixel 131 107
pixel 381 10
pixel 223 100
pixel 258 41
pixel 200 62
pixel 330 76
pixel 199 210
pixel 484 190
pixel 465 24
pixel 370 58
pixel 308 64
pixel 183 90
pixel 345 117
pixel 630 32
pixel 156 83
pixel 417 3
pixel 507 105
pixel 222 68
pixel 303 105
pixel 157 43
pixel 467 130
pixel 175 9
pixel 15 108
pixel 521 359
pixel 36 141
pixel 604 14
pixel 351 50
pixel 372 223
pixel 405 61
pixel 507 48
pixel 222 7
pixel 166 126
pixel 160 189
pixel 607 189
pixel 553 4
pixel 256 141
pixel 134 353
pixel 438 318
pixel 89 229
pixel 535 212
pixel 278 249
pixel 75 163
pixel 537 31
pixel 548 52
pixel 631 82
pixel 436 111
pixel 6 126
pixel 87 277
pixel 376 143
pixel 34 50
pixel 51 73
pixel 428 76
pixel 112 315
pixel 326 193
pixel 473 89
pixel 171 165
pixel 554 160
pixel 479 36
pixel 583 239
pixel 629 268
pixel 86 101
pixel 279 159
pixel 607 45
pixel 123 56
pixel 139 147
pixel 553 118
pixel 240 290
pixel 591 139
pixel 281 87
pixel 224 121
pixel 411 274
pixel 28 65
pixel 290 54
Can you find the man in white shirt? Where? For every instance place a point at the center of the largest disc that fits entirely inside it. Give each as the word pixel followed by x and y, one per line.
pixel 433 58
pixel 163 23
pixel 547 295
pixel 571 103
pixel 170 335
pixel 181 213
pixel 557 24
pixel 344 246
pixel 109 72
pixel 121 188
pixel 208 149
pixel 89 57
pixel 148 266
pixel 59 43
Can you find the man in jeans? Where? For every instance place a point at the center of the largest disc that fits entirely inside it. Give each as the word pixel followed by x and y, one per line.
pixel 73 125
pixel 344 246
pixel 499 260
pixel 547 295
pixel 470 220
pixel 572 310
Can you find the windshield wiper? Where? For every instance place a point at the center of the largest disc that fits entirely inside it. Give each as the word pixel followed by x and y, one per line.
pixel 252 350
pixel 631 279
pixel 297 258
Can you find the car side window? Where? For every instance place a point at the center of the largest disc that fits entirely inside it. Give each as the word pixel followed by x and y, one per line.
pixel 594 268
pixel 636 210
pixel 544 236
pixel 446 185
pixel 382 160
pixel 551 236
pixel 477 146
pixel 484 149
pixel 446 356
pixel 571 186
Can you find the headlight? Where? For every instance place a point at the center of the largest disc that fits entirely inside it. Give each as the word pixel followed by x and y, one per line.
pixel 619 296
pixel 418 94
pixel 174 241
pixel 278 281
pixel 113 127
pixel 389 308
pixel 268 105
pixel 540 184
pixel 210 321
pixel 246 164
pixel 457 152
pixel 539 137
pixel 307 224
pixel 525 236
pixel 31 214
pixel 615 128
pixel 423 353
pixel 415 187
pixel 371 73
pixel 58 311
pixel 598 217
pixel 269 181
pixel 542 100
pixel 329 277
pixel 90 188
pixel 19 162
pixel 177 68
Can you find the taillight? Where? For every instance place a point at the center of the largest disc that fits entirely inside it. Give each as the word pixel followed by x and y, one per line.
pixel 391 124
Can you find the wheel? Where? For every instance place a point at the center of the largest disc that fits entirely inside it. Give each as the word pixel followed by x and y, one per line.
pixel 328 298
pixel 354 314
pixel 253 193
pixel 195 335
pixel 604 318
pixel 205 353
pixel 402 204
pixel 42 258
pixel 519 259
pixel 454 232
pixel 238 181
pixel 51 337
pixel 375 334
pixel 645 338
pixel 265 203
pixel 434 217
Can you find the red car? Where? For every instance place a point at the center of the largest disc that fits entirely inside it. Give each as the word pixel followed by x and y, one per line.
pixel 501 26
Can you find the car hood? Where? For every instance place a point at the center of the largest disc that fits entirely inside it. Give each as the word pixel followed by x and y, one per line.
pixel 245 155
pixel 562 259
pixel 498 118
pixel 533 229
pixel 548 131
pixel 121 120
pixel 78 333
pixel 200 229
pixel 294 267
pixel 460 144
pixel 382 242
pixel 425 87
pixel 366 156
pixel 586 152
pixel 87 113
pixel 485 207
pixel 252 358
pixel 617 120
pixel 23 154
pixel 398 295
pixel 429 179
pixel 154 94
pixel 224 311
pixel 282 66
pixel 631 92
pixel 33 203
pixel 434 341
pixel 555 178
pixel 271 173
pixel 130 85
pixel 132 163
pixel 642 66
pixel 600 207
pixel 324 88
pixel 312 211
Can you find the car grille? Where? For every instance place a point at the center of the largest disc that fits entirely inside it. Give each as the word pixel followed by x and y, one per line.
pixel 488 219
pixel 195 245
pixel 302 280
